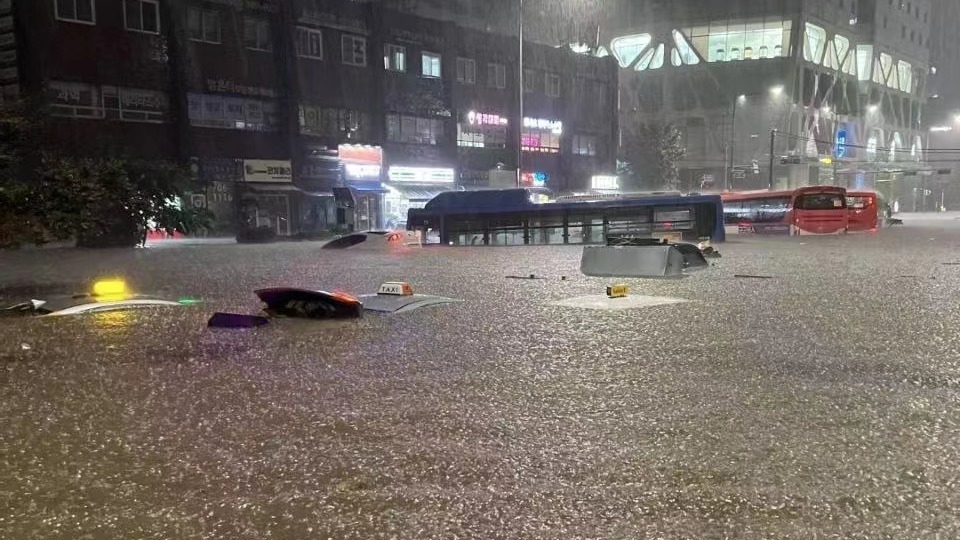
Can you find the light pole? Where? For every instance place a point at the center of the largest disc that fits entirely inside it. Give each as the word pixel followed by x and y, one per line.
pixel 776 92
pixel 520 94
pixel 731 146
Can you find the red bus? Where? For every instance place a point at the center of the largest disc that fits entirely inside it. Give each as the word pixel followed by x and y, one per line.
pixel 807 210
pixel 865 211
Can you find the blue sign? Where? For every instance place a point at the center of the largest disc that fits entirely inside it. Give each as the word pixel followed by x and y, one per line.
pixel 841 143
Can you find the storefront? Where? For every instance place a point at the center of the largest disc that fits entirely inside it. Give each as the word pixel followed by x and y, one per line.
pixel 319 174
pixel 362 167
pixel 413 187
pixel 268 197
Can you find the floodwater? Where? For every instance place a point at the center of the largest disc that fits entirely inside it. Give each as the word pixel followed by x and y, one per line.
pixel 820 403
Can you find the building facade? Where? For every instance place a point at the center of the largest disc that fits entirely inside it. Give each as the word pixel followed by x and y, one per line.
pixel 303 115
pixel 835 87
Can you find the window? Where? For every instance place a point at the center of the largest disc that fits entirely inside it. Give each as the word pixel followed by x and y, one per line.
pixel 496 76
pixel 203 25
pixel 627 49
pixel 134 105
pixel 814 44
pixel 431 64
pixel 413 129
pixel 723 42
pixel 481 136
pixel 142 16
pixel 352 125
pixel 226 112
pixel 78 11
pixel 354 50
pixel 256 34
pixel 309 43
pixel 553 85
pixel 529 81
pixel 584 145
pixel 77 100
pixel 541 135
pixel 466 71
pixel 820 201
pixel 884 21
pixel 913 36
pixel 395 58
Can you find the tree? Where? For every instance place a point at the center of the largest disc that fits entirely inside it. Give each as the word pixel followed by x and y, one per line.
pixel 99 201
pixel 651 151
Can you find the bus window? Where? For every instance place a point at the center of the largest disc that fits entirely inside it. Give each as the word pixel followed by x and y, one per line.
pixel 856 203
pixel 820 201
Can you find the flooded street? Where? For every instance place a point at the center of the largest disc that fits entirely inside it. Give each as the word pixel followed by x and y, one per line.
pixel 819 403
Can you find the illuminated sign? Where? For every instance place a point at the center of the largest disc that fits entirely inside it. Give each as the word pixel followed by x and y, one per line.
pixel 605 182
pixel 360 161
pixel 421 175
pixel 534 179
pixel 357 171
pixel 841 143
pixel 553 126
pixel 263 170
pixel 475 118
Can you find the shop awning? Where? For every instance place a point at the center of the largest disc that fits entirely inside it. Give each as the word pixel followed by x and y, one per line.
pixel 367 187
pixel 285 188
pixel 270 187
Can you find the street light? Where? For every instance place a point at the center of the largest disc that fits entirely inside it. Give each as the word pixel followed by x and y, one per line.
pixel 776 91
pixel 873 108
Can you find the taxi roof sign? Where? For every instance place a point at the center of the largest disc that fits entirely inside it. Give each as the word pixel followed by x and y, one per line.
pixel 395 288
pixel 110 287
pixel 617 291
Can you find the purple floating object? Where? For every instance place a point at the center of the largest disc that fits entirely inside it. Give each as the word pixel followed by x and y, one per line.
pixel 236 320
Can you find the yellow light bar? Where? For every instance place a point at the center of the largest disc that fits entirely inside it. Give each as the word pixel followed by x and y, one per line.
pixel 110 288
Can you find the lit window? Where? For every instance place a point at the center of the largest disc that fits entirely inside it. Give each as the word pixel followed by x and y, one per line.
pixel 627 49
pixel 430 65
pixel 496 76
pixel 354 50
pixel 309 43
pixel 864 62
pixel 142 16
pixel 722 41
pixel 203 25
pixel 685 54
pixel 78 11
pixel 395 58
pixel 256 34
pixel 906 76
pixel 651 59
pixel 466 71
pixel 814 43
pixel 553 85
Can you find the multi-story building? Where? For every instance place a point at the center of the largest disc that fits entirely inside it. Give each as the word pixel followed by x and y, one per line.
pixel 942 116
pixel 840 83
pixel 281 106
